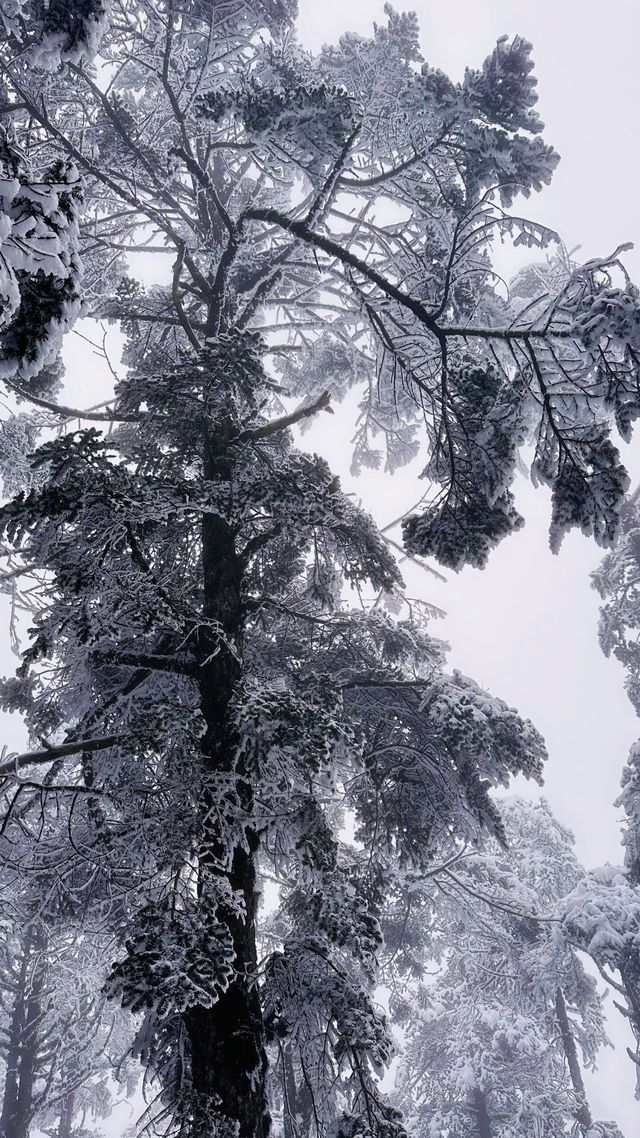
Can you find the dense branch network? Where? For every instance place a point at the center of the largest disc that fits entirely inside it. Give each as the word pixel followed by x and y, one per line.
pixel 204 705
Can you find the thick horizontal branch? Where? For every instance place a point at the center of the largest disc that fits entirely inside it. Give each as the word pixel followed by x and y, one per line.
pixel 321 404
pixel 68 412
pixel 355 183
pixel 507 333
pixel 373 682
pixel 301 230
pixel 131 317
pixel 150 662
pixel 50 754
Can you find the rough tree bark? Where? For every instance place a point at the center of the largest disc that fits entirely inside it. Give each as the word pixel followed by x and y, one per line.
pixel 9 1122
pixel 480 1114
pixel 298 1105
pixel 22 1052
pixel 227 1040
pixel 65 1124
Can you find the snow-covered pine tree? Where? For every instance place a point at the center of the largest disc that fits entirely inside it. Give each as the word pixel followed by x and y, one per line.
pixel 417 734
pixel 198 692
pixel 58 1032
pixel 59 1038
pixel 46 33
pixel 602 917
pixel 23 981
pixel 493 1044
pixel 617 580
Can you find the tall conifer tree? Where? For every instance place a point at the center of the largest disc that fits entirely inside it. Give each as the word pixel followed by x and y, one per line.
pixel 200 695
pixel 495 1044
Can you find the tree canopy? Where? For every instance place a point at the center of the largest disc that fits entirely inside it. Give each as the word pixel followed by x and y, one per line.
pixel 222 676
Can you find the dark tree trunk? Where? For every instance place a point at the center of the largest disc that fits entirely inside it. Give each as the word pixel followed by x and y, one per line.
pixel 9 1120
pixel 29 1047
pixel 290 1095
pixel 583 1112
pixel 22 1055
pixel 228 1057
pixel 298 1100
pixel 480 1113
pixel 65 1125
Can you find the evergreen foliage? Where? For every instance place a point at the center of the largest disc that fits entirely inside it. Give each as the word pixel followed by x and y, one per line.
pixel 493 1045
pixel 207 709
pixel 602 915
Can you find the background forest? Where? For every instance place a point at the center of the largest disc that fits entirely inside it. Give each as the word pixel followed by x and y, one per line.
pixel 252 847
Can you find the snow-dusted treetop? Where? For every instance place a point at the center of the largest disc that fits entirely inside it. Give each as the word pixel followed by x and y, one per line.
pixel 204 704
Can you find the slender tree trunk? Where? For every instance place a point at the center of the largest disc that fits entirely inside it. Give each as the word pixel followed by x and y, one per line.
pixel 65 1125
pixel 17 1107
pixel 298 1108
pixel 228 1057
pixel 290 1094
pixel 480 1113
pixel 29 1046
pixel 9 1120
pixel 583 1112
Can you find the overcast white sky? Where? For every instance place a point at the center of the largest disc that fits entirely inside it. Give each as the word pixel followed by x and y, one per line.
pixel 526 627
